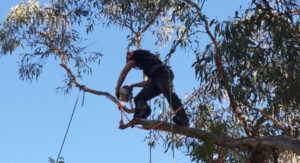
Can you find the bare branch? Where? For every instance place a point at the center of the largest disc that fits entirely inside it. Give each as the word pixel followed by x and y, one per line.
pixel 100 93
pixel 277 123
pixel 261 120
pixel 83 87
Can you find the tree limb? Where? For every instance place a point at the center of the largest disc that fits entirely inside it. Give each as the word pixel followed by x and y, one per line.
pixel 100 93
pixel 277 123
pixel 277 142
pixel 151 21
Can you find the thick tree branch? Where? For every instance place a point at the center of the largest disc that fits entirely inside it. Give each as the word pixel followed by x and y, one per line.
pixel 276 142
pixel 236 109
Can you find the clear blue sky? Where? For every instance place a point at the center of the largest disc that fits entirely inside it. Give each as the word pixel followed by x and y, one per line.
pixel 33 117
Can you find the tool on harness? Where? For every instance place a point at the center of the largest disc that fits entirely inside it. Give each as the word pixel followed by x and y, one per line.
pixel 125 94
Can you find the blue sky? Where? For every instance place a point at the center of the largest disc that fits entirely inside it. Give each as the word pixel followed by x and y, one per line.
pixel 33 117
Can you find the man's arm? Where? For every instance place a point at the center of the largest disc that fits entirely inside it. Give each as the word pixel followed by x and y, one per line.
pixel 130 64
pixel 140 84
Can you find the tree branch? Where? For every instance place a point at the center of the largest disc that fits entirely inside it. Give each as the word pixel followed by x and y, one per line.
pixel 256 127
pixel 277 142
pixel 83 87
pixel 277 123
pixel 100 93
pixel 177 42
pixel 264 116
pixel 151 21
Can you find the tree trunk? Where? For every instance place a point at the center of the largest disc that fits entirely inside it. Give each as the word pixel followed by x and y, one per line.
pixel 260 154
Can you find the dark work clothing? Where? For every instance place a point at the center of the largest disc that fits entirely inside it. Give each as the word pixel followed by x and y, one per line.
pixel 144 60
pixel 160 81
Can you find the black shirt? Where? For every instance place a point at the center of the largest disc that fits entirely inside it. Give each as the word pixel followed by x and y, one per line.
pixel 144 60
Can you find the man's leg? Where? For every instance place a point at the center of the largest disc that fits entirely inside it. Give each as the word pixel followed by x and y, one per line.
pixel 142 109
pixel 164 82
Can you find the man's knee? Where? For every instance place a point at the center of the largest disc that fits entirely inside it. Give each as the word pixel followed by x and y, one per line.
pixel 142 109
pixel 140 103
pixel 137 99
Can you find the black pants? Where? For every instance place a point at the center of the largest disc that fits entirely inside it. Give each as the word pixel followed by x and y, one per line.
pixel 161 82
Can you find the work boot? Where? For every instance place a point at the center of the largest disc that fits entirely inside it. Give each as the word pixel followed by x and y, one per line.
pixel 183 121
pixel 142 113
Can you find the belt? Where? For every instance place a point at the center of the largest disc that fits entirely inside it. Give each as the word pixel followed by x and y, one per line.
pixel 157 67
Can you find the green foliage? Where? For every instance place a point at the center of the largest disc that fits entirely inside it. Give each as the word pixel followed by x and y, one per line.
pixel 51 160
pixel 48 31
pixel 202 151
pixel 205 149
pixel 260 48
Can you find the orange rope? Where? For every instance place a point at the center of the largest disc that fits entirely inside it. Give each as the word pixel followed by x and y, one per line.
pixel 120 107
pixel 121 122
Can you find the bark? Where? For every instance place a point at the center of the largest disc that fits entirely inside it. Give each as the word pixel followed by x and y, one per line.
pixel 256 144
pixel 260 154
pixel 222 155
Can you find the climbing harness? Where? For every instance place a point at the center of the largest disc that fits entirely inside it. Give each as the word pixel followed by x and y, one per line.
pixel 123 114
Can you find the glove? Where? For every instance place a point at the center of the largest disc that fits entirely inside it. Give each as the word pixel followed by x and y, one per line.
pixel 127 87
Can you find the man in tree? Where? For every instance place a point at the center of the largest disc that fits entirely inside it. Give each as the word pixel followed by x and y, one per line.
pixel 159 81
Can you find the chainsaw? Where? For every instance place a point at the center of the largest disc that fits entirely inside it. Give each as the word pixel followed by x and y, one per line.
pixel 125 94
